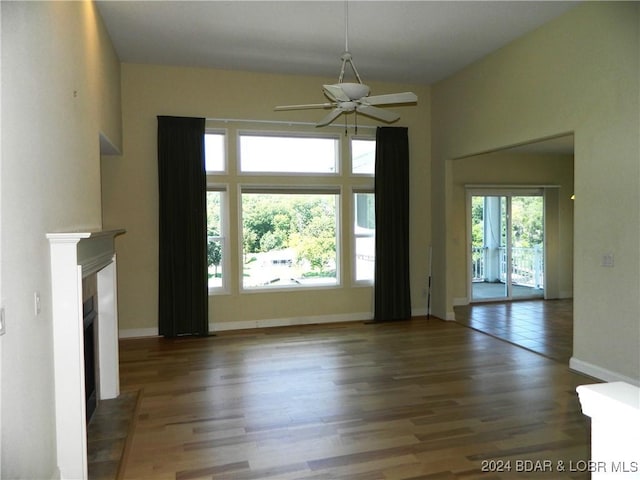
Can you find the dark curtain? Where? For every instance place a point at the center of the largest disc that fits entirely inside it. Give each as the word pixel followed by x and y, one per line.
pixel 392 292
pixel 183 291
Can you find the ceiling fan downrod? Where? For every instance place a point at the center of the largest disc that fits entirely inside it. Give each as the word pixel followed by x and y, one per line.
pixel 345 98
pixel 346 56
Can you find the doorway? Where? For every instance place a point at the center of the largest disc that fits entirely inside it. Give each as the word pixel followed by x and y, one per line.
pixel 507 244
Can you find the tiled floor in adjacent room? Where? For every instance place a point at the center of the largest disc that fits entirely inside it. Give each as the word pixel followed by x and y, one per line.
pixel 543 326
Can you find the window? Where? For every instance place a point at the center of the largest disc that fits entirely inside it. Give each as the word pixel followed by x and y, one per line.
pixel 286 194
pixel 215 163
pixel 214 151
pixel 215 237
pixel 289 237
pixel 288 154
pixel 363 159
pixel 363 156
pixel 364 234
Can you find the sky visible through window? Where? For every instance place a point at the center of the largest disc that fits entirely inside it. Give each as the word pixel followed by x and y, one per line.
pixel 288 154
pixel 363 156
pixel 214 152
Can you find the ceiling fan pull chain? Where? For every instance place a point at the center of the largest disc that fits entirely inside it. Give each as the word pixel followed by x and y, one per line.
pixel 355 121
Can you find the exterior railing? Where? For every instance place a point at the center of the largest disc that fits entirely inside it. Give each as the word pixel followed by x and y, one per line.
pixel 477 263
pixel 527 265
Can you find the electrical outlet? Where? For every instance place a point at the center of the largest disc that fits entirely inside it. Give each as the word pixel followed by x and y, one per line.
pixel 36 303
pixel 607 260
pixel 3 326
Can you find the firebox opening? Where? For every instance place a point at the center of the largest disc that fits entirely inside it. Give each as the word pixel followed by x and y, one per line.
pixel 89 315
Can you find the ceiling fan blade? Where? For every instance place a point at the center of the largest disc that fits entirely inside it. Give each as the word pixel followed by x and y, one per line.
pixel 391 98
pixel 335 93
pixel 378 113
pixel 335 113
pixel 304 107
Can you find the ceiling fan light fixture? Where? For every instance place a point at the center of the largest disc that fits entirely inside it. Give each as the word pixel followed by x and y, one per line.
pixel 355 91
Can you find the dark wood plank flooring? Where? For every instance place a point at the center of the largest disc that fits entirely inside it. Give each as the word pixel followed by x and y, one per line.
pixel 422 399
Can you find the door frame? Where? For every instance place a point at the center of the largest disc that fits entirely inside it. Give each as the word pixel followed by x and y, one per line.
pixel 501 191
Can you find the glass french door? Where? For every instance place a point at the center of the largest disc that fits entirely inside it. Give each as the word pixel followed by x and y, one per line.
pixel 507 245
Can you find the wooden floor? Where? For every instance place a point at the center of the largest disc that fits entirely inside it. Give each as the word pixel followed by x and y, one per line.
pixel 423 399
pixel 543 326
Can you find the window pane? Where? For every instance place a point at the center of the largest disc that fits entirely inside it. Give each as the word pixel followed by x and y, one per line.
pixel 215 239
pixel 288 154
pixel 289 239
pixel 214 152
pixel 365 236
pixel 363 156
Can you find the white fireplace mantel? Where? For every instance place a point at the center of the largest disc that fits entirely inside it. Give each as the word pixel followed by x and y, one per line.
pixel 74 256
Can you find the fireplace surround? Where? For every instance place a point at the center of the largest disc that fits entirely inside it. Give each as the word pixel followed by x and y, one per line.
pixel 76 256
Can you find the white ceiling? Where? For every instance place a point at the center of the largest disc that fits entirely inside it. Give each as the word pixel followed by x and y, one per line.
pixel 400 41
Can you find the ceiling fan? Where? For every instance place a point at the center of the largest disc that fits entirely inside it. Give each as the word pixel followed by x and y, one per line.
pixel 348 97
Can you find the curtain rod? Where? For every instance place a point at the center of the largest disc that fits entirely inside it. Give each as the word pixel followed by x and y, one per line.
pixel 279 122
pixel 507 186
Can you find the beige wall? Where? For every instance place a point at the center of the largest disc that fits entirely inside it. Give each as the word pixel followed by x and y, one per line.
pixel 509 170
pixel 130 197
pixel 578 73
pixel 60 89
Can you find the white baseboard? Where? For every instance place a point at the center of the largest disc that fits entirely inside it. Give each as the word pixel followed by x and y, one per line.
pixel 451 316
pixel 460 301
pixel 266 323
pixel 275 322
pixel 138 332
pixel 417 312
pixel 600 373
pixel 286 322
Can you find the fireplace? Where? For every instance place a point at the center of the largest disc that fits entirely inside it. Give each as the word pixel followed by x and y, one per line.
pixel 85 338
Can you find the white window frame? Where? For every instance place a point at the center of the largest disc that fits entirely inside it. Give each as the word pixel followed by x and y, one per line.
pixel 233 182
pixel 275 189
pixel 355 236
pixel 223 188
